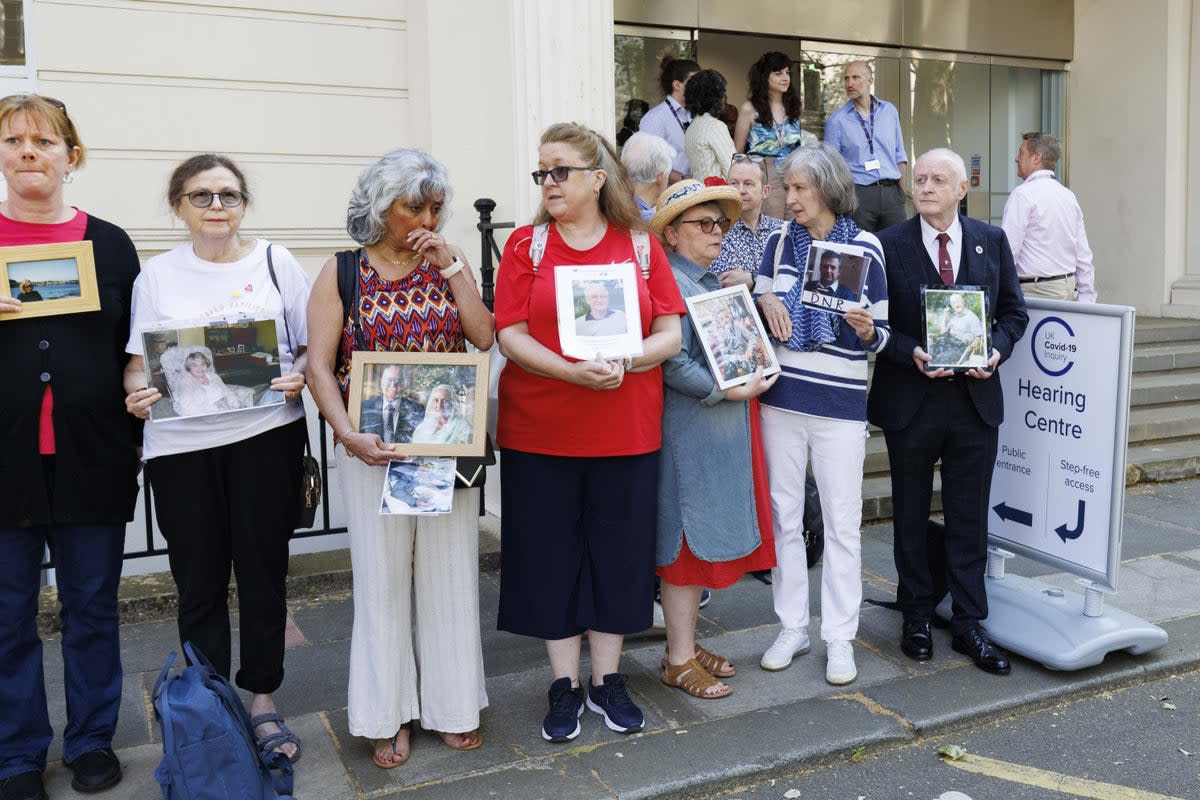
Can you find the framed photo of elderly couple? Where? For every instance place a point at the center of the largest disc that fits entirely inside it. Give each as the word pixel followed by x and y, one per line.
pixel 836 277
pixel 957 327
pixel 732 334
pixel 421 404
pixel 598 313
pixel 49 279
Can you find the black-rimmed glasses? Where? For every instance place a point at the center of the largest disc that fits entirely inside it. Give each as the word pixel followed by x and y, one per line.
pixel 202 198
pixel 706 224
pixel 559 174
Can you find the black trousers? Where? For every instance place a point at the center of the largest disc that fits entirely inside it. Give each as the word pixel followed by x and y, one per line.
pixel 232 506
pixel 947 427
pixel 879 207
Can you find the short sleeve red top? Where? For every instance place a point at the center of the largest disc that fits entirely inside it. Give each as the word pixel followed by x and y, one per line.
pixel 545 415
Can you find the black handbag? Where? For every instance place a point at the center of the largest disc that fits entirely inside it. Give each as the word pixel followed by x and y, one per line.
pixel 310 470
pixel 470 472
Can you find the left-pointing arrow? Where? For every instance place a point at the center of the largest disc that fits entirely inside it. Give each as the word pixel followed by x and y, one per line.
pixel 1011 514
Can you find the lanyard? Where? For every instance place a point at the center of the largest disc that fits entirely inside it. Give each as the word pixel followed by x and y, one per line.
pixel 675 109
pixel 868 132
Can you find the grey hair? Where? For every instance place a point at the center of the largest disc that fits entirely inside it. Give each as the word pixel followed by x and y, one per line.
pixel 826 170
pixel 957 164
pixel 408 175
pixel 647 156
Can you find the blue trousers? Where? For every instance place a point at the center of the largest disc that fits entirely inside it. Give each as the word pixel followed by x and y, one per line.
pixel 88 563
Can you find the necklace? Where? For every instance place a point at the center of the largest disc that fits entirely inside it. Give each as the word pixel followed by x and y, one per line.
pixel 401 262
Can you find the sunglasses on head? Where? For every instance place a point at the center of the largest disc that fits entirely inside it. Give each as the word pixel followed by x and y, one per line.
pixel 202 198
pixel 559 174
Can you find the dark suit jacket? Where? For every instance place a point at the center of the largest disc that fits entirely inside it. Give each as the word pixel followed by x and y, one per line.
pixel 371 418
pixel 898 388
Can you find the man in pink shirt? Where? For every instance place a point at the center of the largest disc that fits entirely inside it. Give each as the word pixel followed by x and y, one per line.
pixel 1045 227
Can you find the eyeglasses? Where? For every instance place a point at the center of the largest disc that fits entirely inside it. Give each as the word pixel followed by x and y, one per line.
pixel 753 159
pixel 706 224
pixel 202 198
pixel 559 174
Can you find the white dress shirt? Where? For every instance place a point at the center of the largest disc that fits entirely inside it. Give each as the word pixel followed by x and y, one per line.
pixel 929 236
pixel 1044 225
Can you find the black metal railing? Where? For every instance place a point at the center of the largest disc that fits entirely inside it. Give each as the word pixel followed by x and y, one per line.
pixel 489 257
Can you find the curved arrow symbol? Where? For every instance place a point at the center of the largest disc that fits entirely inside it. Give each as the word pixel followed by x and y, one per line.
pixel 1006 512
pixel 1072 533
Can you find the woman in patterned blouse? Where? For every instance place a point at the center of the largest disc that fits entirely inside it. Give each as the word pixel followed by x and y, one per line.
pixel 416 294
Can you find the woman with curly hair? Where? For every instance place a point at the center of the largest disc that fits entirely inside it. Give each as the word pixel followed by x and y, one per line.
pixel 707 142
pixel 769 123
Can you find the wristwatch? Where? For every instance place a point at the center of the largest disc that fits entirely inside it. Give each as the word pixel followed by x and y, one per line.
pixel 456 266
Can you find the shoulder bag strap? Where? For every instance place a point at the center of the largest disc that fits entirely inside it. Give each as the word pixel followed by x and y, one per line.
pixel 537 245
pixel 288 330
pixel 641 249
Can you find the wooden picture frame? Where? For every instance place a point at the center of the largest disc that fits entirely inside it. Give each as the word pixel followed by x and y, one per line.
pixel 728 316
pixel 456 382
pixel 63 276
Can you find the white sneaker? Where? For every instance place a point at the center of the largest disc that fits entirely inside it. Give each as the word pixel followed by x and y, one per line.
pixel 840 669
pixel 660 622
pixel 790 642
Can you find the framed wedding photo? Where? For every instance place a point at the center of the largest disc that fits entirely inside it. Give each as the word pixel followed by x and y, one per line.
pixel 957 327
pixel 421 404
pixel 732 334
pixel 49 279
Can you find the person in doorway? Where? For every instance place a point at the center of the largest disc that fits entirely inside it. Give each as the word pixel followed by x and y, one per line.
pixel 866 131
pixel 1044 225
pixel 932 415
pixel 669 120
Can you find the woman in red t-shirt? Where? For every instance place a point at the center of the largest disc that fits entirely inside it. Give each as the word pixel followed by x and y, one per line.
pixel 580 439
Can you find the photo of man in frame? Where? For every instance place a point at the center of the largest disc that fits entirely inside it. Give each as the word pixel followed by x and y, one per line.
pixel 391 412
pixel 602 307
pixel 955 331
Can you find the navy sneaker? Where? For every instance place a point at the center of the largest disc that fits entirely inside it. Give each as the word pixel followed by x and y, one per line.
pixel 566 707
pixel 613 702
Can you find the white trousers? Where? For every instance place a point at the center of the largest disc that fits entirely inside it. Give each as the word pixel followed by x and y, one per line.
pixel 399 560
pixel 837 450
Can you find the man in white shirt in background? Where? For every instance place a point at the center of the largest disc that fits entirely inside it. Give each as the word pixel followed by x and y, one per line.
pixel 1044 226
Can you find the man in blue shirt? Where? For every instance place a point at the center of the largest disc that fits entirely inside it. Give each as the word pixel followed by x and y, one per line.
pixel 866 130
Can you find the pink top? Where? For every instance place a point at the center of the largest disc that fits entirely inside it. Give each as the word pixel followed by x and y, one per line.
pixel 14 233
pixel 1044 225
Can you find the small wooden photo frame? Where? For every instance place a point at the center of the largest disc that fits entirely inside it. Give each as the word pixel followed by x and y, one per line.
pixel 598 313
pixel 732 334
pixel 958 327
pixel 836 277
pixel 49 279
pixel 421 404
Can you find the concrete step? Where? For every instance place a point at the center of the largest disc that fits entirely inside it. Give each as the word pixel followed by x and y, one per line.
pixel 1157 388
pixel 1160 357
pixel 1163 461
pixel 1148 330
pixel 1149 423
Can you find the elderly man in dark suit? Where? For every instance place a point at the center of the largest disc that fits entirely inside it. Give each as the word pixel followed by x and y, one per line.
pixel 927 415
pixel 394 415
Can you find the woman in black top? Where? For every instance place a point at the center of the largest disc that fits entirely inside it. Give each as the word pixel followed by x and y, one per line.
pixel 68 468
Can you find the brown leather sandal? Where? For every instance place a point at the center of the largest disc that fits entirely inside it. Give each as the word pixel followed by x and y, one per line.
pixel 713 664
pixel 693 679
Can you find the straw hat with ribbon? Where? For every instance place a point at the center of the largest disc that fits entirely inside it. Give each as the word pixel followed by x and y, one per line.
pixel 679 197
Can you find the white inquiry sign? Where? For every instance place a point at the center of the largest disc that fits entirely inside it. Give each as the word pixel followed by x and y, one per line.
pixel 1058 486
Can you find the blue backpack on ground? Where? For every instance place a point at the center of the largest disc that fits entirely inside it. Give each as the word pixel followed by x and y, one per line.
pixel 209 750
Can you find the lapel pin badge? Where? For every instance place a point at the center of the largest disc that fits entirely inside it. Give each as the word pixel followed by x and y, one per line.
pixel 979 249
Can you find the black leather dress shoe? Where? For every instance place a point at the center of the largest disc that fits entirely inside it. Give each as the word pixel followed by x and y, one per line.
pixel 26 786
pixel 95 770
pixel 916 640
pixel 987 656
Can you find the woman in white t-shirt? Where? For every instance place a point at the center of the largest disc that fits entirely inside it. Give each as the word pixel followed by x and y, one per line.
pixel 245 465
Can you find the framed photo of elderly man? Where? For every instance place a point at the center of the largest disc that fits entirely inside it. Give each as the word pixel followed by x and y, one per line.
pixel 421 404
pixel 957 327
pixel 732 334
pixel 836 277
pixel 49 279
pixel 205 367
pixel 598 314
